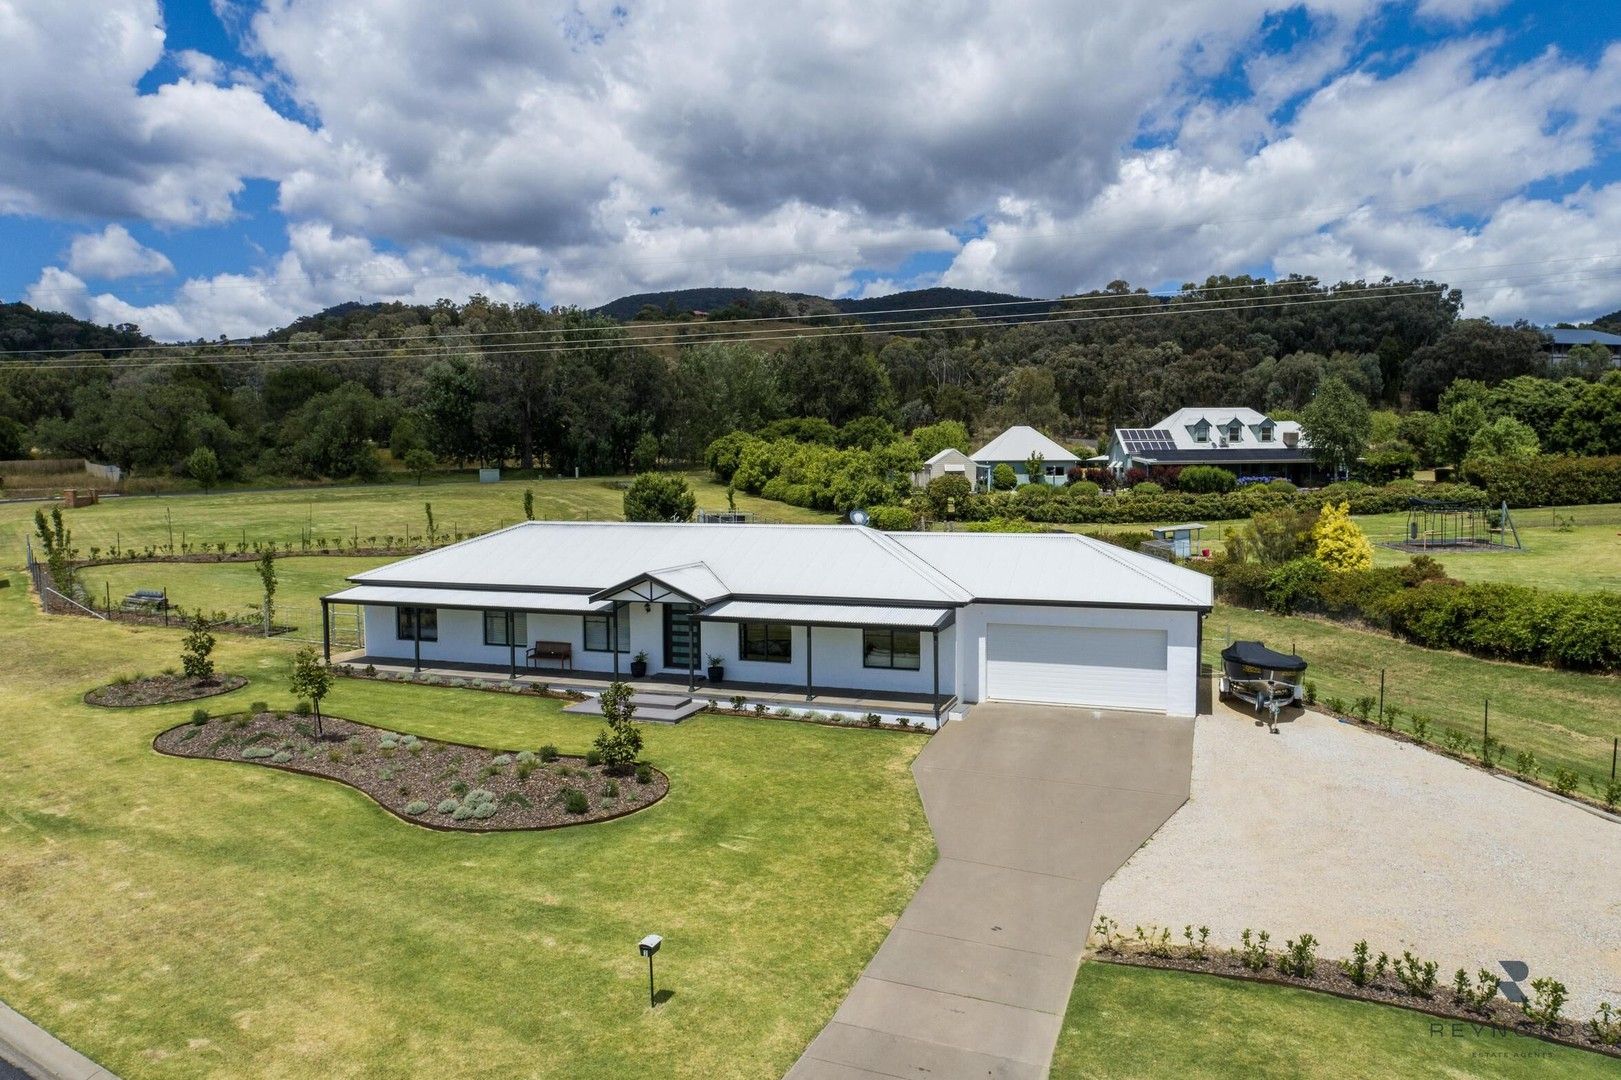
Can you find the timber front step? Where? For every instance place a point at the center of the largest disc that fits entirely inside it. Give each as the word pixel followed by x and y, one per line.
pixel 653 708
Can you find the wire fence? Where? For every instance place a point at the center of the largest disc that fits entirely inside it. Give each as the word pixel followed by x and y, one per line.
pixel 1470 729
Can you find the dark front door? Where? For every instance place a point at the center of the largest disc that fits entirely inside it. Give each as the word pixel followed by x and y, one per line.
pixel 680 637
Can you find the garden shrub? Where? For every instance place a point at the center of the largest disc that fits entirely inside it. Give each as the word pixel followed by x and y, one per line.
pixel 303 708
pixel 1547 999
pixel 593 757
pixel 548 753
pixel 199 716
pixel 574 801
pixel 259 707
pixel 516 798
pixel 416 807
pixel 253 753
pixel 1147 489
pixel 1605 1026
pixel 501 760
pixel 1416 977
pixel 1299 957
pixel 644 773
pixel 1003 478
pixel 282 757
pixel 485 810
pixel 1253 953
pixel 610 790
pixel 447 806
pixel 462 812
pixel 892 518
pixel 478 796
pixel 526 757
pixel 1547 480
pixel 1206 480
pixel 1083 489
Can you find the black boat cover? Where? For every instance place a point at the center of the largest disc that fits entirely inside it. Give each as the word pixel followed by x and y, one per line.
pixel 1255 654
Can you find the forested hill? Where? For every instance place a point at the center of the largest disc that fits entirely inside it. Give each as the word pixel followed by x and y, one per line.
pixel 23 329
pixel 719 304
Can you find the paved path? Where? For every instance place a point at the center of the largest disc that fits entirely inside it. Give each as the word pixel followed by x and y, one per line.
pixel 29 1051
pixel 1032 809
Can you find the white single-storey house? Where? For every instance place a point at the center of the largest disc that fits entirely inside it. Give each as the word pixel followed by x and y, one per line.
pixel 1241 440
pixel 1013 447
pixel 948 462
pixel 961 617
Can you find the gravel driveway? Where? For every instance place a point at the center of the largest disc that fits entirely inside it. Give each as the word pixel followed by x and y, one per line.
pixel 1328 829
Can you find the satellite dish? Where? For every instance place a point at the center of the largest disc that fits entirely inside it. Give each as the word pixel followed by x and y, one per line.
pixel 859 517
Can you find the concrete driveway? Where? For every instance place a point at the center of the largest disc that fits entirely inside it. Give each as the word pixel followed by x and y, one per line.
pixel 1032 809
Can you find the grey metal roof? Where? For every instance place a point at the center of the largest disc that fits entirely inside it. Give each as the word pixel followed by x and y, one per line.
pixel 918 618
pixel 847 565
pixel 1058 568
pixel 1016 444
pixel 1565 336
pixel 1229 456
pixel 488 599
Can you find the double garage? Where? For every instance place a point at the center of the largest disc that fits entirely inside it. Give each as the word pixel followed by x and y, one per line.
pixel 1104 658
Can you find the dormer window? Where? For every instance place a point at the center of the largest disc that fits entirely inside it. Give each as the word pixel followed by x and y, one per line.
pixel 1201 431
pixel 1265 430
pixel 1234 431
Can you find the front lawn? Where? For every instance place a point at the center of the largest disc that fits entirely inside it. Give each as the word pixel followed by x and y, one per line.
pixel 176 917
pixel 1132 1022
pixel 1566 718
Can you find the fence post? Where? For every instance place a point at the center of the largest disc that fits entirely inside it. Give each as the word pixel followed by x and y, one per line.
pixel 1381 695
pixel 1615 748
pixel 1486 733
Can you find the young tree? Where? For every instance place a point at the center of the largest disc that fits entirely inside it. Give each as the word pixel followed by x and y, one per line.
pixel 1337 423
pixel 620 742
pixel 427 508
pixel 204 466
pixel 528 504
pixel 1003 478
pixel 1033 467
pixel 1340 544
pixel 659 497
pixel 195 649
pixel 267 579
pixel 645 457
pixel 1504 439
pixel 418 460
pixel 57 542
pixel 311 679
pixel 946 435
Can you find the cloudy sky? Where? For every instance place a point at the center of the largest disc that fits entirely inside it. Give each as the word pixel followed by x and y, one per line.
pixel 222 168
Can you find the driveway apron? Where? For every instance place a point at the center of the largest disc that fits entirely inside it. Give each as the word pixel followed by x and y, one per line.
pixel 1032 808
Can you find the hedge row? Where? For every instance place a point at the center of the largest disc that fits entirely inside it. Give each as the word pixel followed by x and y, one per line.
pixel 1580 630
pixel 1548 480
pixel 1041 504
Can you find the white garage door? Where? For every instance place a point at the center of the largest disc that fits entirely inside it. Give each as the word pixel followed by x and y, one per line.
pixel 1077 665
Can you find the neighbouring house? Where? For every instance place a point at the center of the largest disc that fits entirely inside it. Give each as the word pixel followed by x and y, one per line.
pixel 948 462
pixel 956 618
pixel 1014 447
pixel 1561 340
pixel 1243 441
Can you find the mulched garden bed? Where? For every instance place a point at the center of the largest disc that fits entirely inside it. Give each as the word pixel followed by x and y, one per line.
pixel 161 690
pixel 1329 978
pixel 442 785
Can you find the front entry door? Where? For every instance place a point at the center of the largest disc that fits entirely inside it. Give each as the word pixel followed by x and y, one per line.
pixel 680 637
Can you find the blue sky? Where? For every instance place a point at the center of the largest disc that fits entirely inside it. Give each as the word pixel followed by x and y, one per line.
pixel 222 168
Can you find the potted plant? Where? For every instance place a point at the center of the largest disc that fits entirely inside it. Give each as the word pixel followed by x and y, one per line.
pixel 638 665
pixel 717 668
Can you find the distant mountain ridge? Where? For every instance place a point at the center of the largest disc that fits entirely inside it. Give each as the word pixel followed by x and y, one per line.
pixel 724 302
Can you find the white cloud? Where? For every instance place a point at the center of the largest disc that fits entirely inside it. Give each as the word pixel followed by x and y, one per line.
pixel 114 253
pixel 199 66
pixel 320 268
pixel 1457 11
pixel 92 145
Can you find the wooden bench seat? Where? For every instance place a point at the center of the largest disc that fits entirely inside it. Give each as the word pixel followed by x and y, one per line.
pixel 560 651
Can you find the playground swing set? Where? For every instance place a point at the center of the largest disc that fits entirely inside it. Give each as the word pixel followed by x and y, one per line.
pixel 1433 524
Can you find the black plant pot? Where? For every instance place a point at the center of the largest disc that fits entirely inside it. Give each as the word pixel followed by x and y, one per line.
pixel 716 673
pixel 638 669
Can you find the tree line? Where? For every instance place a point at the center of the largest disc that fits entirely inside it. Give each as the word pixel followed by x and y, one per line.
pixel 557 389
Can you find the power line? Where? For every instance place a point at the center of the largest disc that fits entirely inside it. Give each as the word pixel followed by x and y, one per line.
pixel 836 332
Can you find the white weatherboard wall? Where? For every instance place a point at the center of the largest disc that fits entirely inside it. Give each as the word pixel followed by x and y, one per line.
pixel 1181 646
pixel 837 660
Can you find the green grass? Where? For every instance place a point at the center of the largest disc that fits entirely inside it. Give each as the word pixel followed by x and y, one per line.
pixel 1566 718
pixel 1586 557
pixel 341 513
pixel 182 918
pixel 231 587
pixel 1133 1022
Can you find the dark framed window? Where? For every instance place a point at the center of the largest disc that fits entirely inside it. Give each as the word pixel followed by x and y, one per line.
pixel 1266 431
pixel 883 647
pixel 768 641
pixel 1201 431
pixel 1235 431
pixel 599 629
pixel 416 623
pixel 495 628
